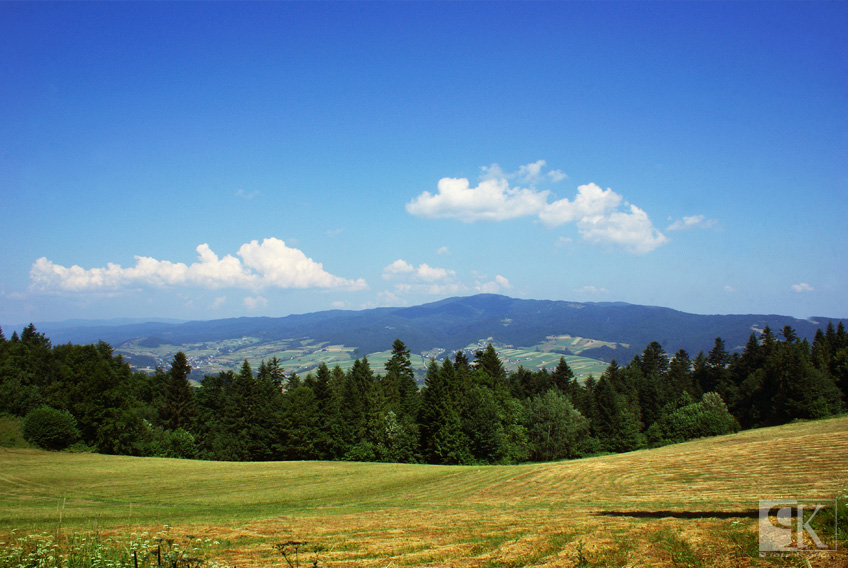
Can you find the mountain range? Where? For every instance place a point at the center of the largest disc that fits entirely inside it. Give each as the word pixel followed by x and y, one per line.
pixel 456 322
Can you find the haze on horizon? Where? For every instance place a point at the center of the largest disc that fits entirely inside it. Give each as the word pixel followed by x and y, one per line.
pixel 212 160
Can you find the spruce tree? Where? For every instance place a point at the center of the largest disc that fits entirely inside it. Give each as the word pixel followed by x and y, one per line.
pixel 177 409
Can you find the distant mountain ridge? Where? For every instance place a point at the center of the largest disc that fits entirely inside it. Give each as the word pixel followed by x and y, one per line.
pixel 453 323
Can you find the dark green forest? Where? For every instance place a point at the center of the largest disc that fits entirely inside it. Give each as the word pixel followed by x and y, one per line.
pixel 87 398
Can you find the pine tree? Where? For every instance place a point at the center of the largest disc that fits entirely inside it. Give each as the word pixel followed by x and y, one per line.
pixel 562 376
pixel 177 409
pixel 616 425
pixel 488 363
pixel 399 386
pixel 442 438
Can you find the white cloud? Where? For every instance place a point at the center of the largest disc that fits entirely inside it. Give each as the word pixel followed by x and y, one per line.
pixel 397 268
pixel 802 287
pixel 491 200
pixel 498 284
pixel 255 303
pixel 730 289
pixel 596 211
pixel 269 264
pixel 591 290
pixel 388 298
pixel 282 267
pixel 693 222
pixel 245 195
pixel 443 250
pixel 218 302
pixel 556 175
pixel 432 274
pixel 531 173
pixel 423 279
pixel 590 200
pixel 424 273
pixel 632 231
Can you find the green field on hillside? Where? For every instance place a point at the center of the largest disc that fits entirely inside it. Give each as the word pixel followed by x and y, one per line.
pixel 303 355
pixel 692 504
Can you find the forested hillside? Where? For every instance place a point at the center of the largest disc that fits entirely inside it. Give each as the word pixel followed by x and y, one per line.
pixel 469 411
pixel 454 323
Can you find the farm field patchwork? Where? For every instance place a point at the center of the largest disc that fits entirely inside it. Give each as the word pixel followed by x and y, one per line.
pixel 302 355
pixel 692 504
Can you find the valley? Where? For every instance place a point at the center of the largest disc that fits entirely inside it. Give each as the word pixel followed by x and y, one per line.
pixel 302 355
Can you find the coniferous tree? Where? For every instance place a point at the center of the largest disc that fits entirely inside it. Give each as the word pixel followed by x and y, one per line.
pixel 178 405
pixel 562 376
pixel 398 439
pixel 442 438
pixel 616 425
pixel 490 364
pixel 679 376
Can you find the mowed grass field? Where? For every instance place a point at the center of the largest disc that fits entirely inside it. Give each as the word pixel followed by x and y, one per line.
pixel 692 504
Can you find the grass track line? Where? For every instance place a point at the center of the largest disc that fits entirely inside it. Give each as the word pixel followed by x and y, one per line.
pixel 693 499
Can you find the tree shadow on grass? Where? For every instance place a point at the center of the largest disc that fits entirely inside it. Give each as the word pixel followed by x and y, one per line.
pixel 749 514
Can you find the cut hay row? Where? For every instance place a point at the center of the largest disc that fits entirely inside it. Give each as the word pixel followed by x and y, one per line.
pixel 696 500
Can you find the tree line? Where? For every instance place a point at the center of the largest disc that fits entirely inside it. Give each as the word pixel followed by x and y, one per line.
pixel 469 411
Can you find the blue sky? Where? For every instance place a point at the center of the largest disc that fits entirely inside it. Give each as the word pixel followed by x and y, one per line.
pixel 203 160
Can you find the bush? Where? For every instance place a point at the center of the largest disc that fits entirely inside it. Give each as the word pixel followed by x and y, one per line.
pixel 698 420
pixel 181 445
pixel 50 429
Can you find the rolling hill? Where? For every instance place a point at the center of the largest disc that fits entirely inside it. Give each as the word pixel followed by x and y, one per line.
pixel 454 323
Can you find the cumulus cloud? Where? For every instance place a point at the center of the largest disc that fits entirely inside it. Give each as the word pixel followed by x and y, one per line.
pixel 602 216
pixel 397 268
pixel 423 279
pixel 556 175
pixel 591 290
pixel 693 222
pixel 631 231
pixel 532 173
pixel 491 200
pixel 245 195
pixel 590 200
pixel 802 287
pixel 443 250
pixel 270 264
pixel 424 272
pixel 255 303
pixel 279 266
pixel 429 273
pixel 493 287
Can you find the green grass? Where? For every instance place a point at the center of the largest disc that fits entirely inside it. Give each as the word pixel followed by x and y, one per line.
pixel 684 505
pixel 10 432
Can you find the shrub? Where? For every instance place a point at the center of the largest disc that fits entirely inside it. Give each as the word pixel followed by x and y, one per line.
pixel 181 445
pixel 50 429
pixel 698 420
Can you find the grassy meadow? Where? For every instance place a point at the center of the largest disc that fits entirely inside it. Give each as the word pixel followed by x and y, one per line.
pixel 692 504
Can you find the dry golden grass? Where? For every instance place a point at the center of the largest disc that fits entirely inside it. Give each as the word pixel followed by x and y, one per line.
pixel 692 504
